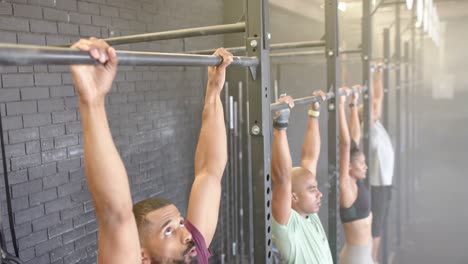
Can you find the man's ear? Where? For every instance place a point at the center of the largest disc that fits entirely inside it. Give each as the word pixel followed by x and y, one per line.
pixel 294 197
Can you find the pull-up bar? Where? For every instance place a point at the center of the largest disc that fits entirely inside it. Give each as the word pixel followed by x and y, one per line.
pixel 278 46
pixel 11 54
pixel 176 34
pixel 295 54
pixel 298 45
pixel 312 99
pixel 310 53
pixel 351 51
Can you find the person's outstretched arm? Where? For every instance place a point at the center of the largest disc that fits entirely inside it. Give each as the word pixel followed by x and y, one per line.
pixel 311 146
pixel 211 154
pixel 377 96
pixel 281 165
pixel 345 143
pixel 106 176
pixel 354 124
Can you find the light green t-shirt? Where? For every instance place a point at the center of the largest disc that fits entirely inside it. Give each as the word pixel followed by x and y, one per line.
pixel 302 241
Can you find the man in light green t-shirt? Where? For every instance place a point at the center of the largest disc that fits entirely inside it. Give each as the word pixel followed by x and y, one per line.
pixel 297 230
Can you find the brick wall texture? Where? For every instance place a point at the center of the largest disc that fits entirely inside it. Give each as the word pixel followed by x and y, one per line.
pixel 154 115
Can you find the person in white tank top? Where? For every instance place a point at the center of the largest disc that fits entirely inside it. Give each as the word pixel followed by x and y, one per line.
pixel 381 167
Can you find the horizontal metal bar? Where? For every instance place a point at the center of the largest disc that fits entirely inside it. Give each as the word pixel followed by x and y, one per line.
pixel 311 53
pixel 300 101
pixel 298 45
pixel 310 100
pixel 177 34
pixel 278 46
pixel 27 55
pixel 351 51
pixel 233 50
pixel 300 53
pixel 393 3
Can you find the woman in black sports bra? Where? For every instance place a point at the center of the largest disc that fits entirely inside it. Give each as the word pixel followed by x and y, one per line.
pixel 355 200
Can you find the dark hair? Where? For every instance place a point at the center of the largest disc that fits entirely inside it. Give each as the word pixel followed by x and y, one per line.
pixel 142 209
pixel 354 151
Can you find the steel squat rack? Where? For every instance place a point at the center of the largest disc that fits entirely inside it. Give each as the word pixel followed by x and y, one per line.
pixel 258 85
pixel 253 112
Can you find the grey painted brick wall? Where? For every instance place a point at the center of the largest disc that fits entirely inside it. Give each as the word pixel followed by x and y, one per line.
pixel 154 114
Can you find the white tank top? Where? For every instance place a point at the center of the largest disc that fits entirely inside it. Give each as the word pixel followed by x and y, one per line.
pixel 383 156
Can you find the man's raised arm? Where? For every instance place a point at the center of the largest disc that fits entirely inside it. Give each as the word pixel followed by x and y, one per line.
pixel 211 154
pixel 106 176
pixel 281 165
pixel 311 146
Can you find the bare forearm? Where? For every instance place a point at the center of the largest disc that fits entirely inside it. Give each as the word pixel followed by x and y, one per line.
pixel 377 98
pixel 355 126
pixel 343 126
pixel 311 145
pixel 211 153
pixel 281 166
pixel 378 87
pixel 345 144
pixel 210 161
pixel 281 163
pixel 105 172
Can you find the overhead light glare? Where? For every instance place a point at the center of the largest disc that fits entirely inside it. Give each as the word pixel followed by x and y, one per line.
pixel 342 6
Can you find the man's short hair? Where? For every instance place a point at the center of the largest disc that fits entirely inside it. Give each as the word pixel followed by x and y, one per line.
pixel 142 209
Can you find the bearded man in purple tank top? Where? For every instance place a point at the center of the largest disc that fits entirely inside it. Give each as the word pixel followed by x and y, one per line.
pixel 152 231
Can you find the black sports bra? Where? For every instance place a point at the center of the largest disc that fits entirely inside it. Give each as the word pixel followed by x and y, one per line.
pixel 361 207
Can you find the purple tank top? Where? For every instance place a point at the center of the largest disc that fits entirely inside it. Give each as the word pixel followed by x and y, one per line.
pixel 203 253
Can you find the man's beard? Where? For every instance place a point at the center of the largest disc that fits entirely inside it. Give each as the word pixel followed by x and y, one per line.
pixel 155 259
